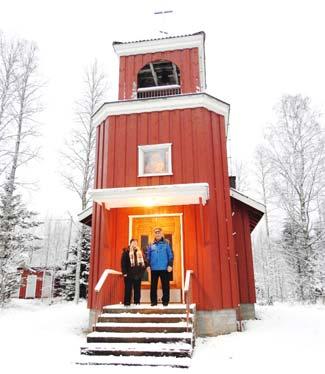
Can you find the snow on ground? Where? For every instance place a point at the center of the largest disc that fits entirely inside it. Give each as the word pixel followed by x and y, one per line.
pixel 39 338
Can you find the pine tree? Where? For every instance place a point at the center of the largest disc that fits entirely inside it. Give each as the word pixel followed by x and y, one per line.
pixel 16 240
pixel 320 259
pixel 85 262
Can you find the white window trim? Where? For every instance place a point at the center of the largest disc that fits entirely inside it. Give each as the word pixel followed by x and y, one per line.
pixel 152 147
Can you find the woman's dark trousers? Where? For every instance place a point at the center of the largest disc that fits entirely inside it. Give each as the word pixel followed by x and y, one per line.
pixel 164 278
pixel 129 284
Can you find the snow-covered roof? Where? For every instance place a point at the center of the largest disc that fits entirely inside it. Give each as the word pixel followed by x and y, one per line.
pixel 247 200
pixel 159 195
pixel 256 209
pixel 158 104
pixel 85 216
pixel 154 39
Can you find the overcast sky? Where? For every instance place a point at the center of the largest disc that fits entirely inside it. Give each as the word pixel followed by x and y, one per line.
pixel 256 51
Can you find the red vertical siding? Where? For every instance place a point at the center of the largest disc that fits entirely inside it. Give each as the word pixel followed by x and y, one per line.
pixel 186 59
pixel 23 280
pixel 243 250
pixel 198 155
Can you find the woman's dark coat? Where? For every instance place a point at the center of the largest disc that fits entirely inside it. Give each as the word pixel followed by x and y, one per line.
pixel 135 272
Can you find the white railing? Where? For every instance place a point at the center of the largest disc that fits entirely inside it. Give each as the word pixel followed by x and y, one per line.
pixel 101 289
pixel 188 295
pixel 158 91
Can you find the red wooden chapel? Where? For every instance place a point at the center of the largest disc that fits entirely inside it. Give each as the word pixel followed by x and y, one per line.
pixel 161 160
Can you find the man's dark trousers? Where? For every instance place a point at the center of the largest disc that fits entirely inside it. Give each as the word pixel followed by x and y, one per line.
pixel 164 278
pixel 129 284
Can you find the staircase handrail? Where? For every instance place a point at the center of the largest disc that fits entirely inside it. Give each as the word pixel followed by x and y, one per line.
pixel 100 288
pixel 187 294
pixel 103 278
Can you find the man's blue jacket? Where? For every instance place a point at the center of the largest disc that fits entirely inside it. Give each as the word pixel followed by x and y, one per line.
pixel 160 255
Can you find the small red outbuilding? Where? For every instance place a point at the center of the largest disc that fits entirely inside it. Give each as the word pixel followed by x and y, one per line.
pixel 35 283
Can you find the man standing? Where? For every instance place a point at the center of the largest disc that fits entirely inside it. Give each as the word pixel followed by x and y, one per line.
pixel 160 263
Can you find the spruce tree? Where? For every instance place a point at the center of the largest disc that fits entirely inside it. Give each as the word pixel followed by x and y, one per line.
pixel 68 276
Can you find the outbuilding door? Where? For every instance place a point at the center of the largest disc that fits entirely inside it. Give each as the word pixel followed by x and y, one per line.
pixel 31 286
pixel 141 228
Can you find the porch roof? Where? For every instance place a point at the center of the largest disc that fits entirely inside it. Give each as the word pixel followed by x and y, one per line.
pixel 160 195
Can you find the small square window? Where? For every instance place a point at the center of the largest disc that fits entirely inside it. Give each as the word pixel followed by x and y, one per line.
pixel 155 159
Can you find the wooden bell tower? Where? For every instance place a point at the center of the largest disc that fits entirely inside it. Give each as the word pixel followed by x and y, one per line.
pixel 161 159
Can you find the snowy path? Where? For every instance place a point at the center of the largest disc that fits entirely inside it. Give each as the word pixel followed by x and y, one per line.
pixel 37 338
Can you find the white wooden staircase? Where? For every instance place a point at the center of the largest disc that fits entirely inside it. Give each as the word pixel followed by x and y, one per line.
pixel 142 335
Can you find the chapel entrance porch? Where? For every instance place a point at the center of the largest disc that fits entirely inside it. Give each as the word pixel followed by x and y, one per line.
pixel 141 228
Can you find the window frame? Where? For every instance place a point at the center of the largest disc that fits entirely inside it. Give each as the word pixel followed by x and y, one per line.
pixel 152 147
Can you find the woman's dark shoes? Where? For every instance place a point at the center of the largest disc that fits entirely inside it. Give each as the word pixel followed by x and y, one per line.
pixel 164 304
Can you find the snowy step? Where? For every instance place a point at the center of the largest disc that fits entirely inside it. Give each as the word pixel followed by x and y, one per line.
pixel 139 337
pixel 143 317
pixel 142 327
pixel 138 349
pixel 176 362
pixel 147 309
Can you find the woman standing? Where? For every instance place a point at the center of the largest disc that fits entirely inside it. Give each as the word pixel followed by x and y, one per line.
pixel 133 267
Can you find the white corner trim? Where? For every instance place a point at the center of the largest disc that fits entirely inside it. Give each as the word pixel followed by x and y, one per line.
pixel 247 200
pixel 198 100
pixel 167 44
pixel 158 195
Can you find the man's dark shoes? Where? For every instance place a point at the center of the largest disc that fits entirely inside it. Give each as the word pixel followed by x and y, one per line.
pixel 153 304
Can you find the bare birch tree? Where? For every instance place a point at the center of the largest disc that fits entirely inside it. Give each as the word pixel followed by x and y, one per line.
pixel 262 172
pixel 80 151
pixel 25 107
pixel 242 176
pixel 267 256
pixel 19 110
pixel 9 58
pixel 296 151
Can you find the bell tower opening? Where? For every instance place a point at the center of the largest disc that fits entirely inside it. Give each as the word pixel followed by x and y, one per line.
pixel 158 78
pixel 155 68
